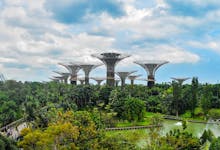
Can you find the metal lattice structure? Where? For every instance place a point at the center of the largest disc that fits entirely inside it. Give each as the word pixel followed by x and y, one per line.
pixel 133 77
pixel 55 79
pixel 64 76
pixel 110 60
pixel 2 78
pixel 59 79
pixel 73 69
pixel 151 67
pixel 117 82
pixel 81 80
pixel 180 80
pixel 87 68
pixel 123 76
pixel 98 80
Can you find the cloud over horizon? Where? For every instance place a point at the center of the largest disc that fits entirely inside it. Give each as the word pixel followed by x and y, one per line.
pixel 36 35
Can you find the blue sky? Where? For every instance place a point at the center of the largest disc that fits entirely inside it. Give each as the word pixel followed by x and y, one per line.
pixel 36 35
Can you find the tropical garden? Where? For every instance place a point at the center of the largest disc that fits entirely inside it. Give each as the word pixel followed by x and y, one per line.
pixel 63 116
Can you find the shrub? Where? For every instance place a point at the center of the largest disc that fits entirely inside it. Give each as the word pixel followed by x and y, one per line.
pixel 198 112
pixel 214 113
pixel 187 114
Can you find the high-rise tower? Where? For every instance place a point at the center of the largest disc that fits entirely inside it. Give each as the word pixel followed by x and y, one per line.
pixel 123 76
pixel 81 80
pixel 87 68
pixel 64 76
pixel 117 82
pixel 59 78
pixel 133 77
pixel 73 68
pixel 151 67
pixel 55 79
pixel 2 78
pixel 98 80
pixel 110 60
pixel 180 80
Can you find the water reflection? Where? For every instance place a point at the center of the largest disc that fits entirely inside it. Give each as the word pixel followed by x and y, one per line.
pixel 195 128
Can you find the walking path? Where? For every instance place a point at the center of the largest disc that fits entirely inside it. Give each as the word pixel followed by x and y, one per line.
pixel 132 128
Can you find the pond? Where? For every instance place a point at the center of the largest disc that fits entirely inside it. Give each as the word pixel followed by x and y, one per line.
pixel 142 135
pixel 195 128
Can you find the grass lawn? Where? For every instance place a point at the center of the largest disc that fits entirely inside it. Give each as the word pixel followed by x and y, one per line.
pixel 145 122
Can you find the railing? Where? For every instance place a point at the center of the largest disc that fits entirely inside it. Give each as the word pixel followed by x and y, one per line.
pixel 15 123
pixel 170 117
pixel 132 128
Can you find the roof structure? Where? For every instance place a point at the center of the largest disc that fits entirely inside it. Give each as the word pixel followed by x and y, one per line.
pixel 133 77
pixel 123 76
pixel 151 67
pixel 64 76
pixel 73 69
pixel 87 68
pixel 81 80
pixel 110 60
pixel 62 73
pixel 59 78
pixel 180 80
pixel 55 79
pixel 98 80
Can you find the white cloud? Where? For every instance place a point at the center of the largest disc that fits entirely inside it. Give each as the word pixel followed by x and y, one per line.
pixel 172 54
pixel 7 60
pixel 212 45
pixel 30 36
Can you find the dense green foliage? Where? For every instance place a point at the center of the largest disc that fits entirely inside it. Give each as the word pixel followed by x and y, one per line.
pixel 26 99
pixel 214 113
pixel 94 108
pixel 207 136
pixel 7 144
pixel 134 109
pixel 67 131
pixel 215 145
pixel 194 98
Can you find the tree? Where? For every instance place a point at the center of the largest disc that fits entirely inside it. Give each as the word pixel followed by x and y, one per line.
pixel 177 96
pixel 7 144
pixel 181 140
pixel 134 109
pixel 215 144
pixel 56 136
pixel 154 132
pixel 8 112
pixel 214 113
pixel 117 101
pixel 118 142
pixel 206 99
pixel 66 131
pixel 104 93
pixel 207 136
pixel 153 103
pixel 82 95
pixel 3 97
pixel 194 98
